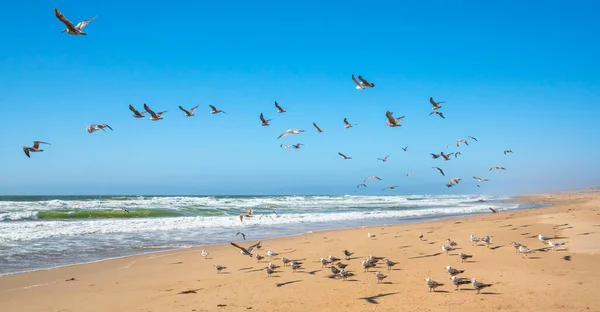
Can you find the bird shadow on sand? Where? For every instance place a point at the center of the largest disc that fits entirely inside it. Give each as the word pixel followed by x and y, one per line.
pixel 431 243
pixel 426 256
pixel 496 247
pixel 441 291
pixel 373 299
pixel 189 291
pixel 489 293
pixel 563 237
pixel 353 258
pixel 244 269
pixel 223 273
pixel 586 233
pixel 405 246
pixel 533 258
pixel 312 272
pixel 287 283
pixel 255 270
pixel 180 262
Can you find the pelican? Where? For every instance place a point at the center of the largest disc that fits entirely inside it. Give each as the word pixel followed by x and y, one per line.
pixel 384 159
pixel 279 108
pixel 344 156
pixel 318 129
pixel 265 122
pixel 362 184
pixel 440 170
pixel 372 177
pixel 390 187
pixel 154 116
pixel 34 149
pixel 95 127
pixel 363 83
pixel 436 105
pixel 72 30
pixel 405 148
pixel 189 113
pixel 393 122
pixel 438 113
pixel 462 141
pixel 348 125
pixel 480 179
pixel 136 113
pixel 214 110
pixel 472 138
pixel 290 131
pixel 507 151
pixel 497 168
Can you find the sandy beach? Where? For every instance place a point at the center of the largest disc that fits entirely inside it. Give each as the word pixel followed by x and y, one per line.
pixel 563 280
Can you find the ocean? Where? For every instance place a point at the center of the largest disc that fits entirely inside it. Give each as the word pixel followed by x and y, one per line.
pixel 39 232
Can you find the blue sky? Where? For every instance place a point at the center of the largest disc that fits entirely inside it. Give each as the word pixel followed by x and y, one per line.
pixel 520 76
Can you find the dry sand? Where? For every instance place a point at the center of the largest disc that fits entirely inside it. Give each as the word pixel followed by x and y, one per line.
pixel 545 281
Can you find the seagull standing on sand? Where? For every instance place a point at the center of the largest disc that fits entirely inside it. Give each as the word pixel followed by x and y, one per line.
pixel 279 108
pixel 436 105
pixel 389 263
pixel 380 276
pixel 487 240
pixel 317 127
pixel 136 113
pixel 154 116
pixel 189 113
pixel 555 245
pixel 265 122
pixel 258 258
pixel 271 253
pixel 420 236
pixel 204 253
pixel 452 271
pixel 432 284
pixel 543 238
pixel 479 285
pixel 345 157
pixel 35 148
pixel 347 254
pixel 290 131
pixel 447 248
pixel 457 281
pixel 214 110
pixel 369 235
pixel 219 268
pixel 393 122
pixel 524 251
pixel 474 239
pixel 464 256
pixel 72 30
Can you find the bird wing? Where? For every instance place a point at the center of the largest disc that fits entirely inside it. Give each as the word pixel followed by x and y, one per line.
pixel 363 80
pixel 82 24
pixel 240 247
pixel 26 151
pixel 346 120
pixel 314 124
pixel 63 19
pixel 342 155
pixel 390 117
pixel 262 118
pixel 135 111
pixel 151 112
pixel 432 101
pixel 111 129
pixel 215 109
pixel 278 107
pixel 185 110
pixel 282 135
pixel 356 81
pixel 193 109
pixel 441 115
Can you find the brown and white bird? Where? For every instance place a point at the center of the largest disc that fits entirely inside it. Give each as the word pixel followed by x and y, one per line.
pixel 462 141
pixel 317 127
pixel 436 105
pixel 75 30
pixel 372 177
pixel 94 127
pixel 265 122
pixel 434 156
pixel 464 256
pixel 479 285
pixel 446 156
pixel 432 284
pixel 34 149
pixel 214 110
pixel 347 124
pixel 363 83
pixel 438 113
pixel 393 122
pixel 345 157
pixel 188 113
pixel 455 180
pixel 497 168
pixel 380 276
pixel 154 116
pixel 136 113
pixel 457 281
pixel 384 159
pixel 279 108
pixel 452 271
pixel 290 131
pixel 480 179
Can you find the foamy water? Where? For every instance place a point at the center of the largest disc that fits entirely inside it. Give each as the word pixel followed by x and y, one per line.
pixel 41 232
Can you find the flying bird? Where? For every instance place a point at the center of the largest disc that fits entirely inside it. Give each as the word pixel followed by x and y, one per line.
pixel 362 184
pixel 279 108
pixel 72 30
pixel 318 129
pixel 480 179
pixel 393 122
pixel 240 233
pixel 94 127
pixel 214 110
pixel 440 170
pixel 348 125
pixel 362 84
pixel 290 131
pixel 34 149
pixel 405 148
pixel 446 156
pixel 456 154
pixel 297 145
pixel 434 156
pixel 265 122
pixel 248 251
pixel 189 113
pixel 344 156
pixel 372 177
pixel 384 159
pixel 390 187
pixel 497 168
pixel 153 116
pixel 455 180
pixel 136 113
pixel 472 138
pixel 462 141
pixel 436 105
pixel 438 113
pixel 410 174
pixel 508 151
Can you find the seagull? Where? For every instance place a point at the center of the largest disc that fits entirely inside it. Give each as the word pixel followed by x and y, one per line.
pixel 479 285
pixel 240 233
pixel 447 248
pixel 348 125
pixel 366 265
pixel 474 239
pixel 456 154
pixel 258 257
pixel 279 108
pixel 272 265
pixel 480 179
pixel 344 156
pixel 555 245
pixel 405 148
pixel 72 30
pixel 452 271
pixel 95 127
pixel 347 255
pixel 457 281
pixel 269 271
pixel 464 256
pixel 369 235
pixel 342 265
pixel 380 276
pixel 421 236
pixel 487 240
pixel 438 113
pixel 154 116
pixel 389 263
pixel 219 268
pixel 449 185
pixel 440 170
pixel 462 141
pixel 271 253
pixel 524 251
pixel 436 105
pixel 393 122
pixel 290 131
pixel 204 253
pixel 246 251
pixel 265 122
pixel 362 184
pixel 410 174
pixel 455 180
pixel 472 138
pixel 497 168
pixel 508 151
pixel 318 129
pixel 543 238
pixel 189 113
pixel 136 113
pixel 333 259
pixel 296 266
pixel 297 145
pixel 324 262
pixel 434 156
pixel 214 110
pixel 284 146
pixel 451 243
pixel 516 246
pixel 285 261
pixel 432 284
pixel 384 159
pixel 372 177
pixel 345 274
pixel 335 270
pixel 390 187
pixel 446 156
pixel 246 215
pixel 363 83
pixel 35 148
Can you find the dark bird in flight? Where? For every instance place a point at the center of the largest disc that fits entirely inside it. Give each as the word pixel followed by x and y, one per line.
pixel 188 113
pixel 436 105
pixel 153 116
pixel 405 148
pixel 240 233
pixel 363 83
pixel 244 251
pixel 438 113
pixel 71 29
pixel 434 156
pixel 34 149
pixel 393 122
pixel 473 138
pixel 440 170
pixel 265 122
pixel 384 159
pixel 348 125
pixel 362 184
pixel 507 151
pixel 214 110
pixel 344 156
pixel 318 129
pixel 279 108
pixel 136 113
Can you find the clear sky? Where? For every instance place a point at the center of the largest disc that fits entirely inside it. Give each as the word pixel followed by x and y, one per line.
pixel 519 75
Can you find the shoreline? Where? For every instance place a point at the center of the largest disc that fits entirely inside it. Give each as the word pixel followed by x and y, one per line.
pixel 396 222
